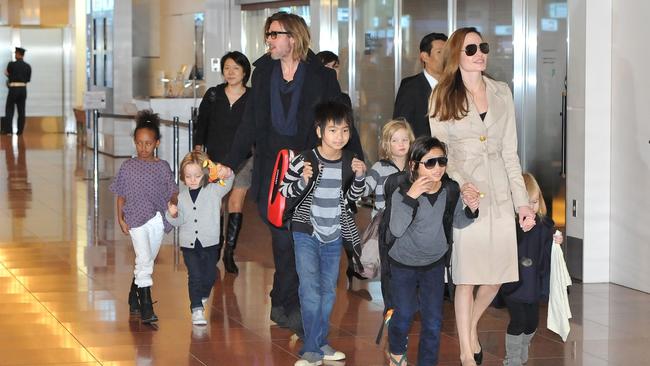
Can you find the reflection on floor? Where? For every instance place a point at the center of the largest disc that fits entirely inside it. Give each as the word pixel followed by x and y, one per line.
pixel 63 289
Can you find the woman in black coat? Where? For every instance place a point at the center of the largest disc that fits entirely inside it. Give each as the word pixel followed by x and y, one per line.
pixel 220 114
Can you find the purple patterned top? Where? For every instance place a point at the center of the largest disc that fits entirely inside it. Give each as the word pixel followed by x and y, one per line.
pixel 146 186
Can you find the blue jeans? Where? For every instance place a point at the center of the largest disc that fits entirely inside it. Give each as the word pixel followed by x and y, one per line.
pixel 201 263
pixel 318 270
pixel 410 288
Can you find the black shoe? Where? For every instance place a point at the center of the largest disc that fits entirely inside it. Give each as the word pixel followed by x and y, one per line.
pixel 146 306
pixel 294 323
pixel 134 302
pixel 220 243
pixel 478 357
pixel 234 226
pixel 278 316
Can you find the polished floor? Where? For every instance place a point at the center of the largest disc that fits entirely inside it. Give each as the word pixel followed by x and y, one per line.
pixel 64 277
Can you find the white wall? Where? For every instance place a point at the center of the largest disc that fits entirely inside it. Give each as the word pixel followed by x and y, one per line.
pixel 630 168
pixel 588 132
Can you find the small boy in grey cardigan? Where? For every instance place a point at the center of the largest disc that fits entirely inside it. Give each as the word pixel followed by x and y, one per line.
pixel 417 257
pixel 197 214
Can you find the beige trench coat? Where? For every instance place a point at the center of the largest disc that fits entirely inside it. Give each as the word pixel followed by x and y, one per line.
pixel 485 153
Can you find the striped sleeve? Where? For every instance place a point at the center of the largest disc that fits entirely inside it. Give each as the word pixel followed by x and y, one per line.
pixel 356 189
pixel 372 179
pixel 292 185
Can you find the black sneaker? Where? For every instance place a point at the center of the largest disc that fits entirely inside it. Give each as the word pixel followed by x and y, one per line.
pixel 278 316
pixel 294 323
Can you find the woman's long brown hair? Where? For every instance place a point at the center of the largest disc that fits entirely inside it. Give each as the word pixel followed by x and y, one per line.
pixel 449 98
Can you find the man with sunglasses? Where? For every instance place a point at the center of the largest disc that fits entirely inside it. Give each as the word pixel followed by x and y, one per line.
pixel 287 83
pixel 412 101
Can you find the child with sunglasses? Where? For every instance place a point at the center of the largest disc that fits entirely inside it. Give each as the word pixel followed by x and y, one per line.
pixel 417 258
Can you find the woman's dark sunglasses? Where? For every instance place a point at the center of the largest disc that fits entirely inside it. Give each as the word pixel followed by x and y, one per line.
pixel 470 49
pixel 431 163
pixel 274 34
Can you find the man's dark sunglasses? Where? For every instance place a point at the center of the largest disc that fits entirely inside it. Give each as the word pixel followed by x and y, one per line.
pixel 470 49
pixel 431 163
pixel 274 34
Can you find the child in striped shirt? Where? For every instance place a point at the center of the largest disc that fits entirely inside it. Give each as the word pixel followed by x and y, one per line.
pixel 319 184
pixel 396 138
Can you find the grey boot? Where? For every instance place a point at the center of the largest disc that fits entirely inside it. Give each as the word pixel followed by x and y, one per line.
pixel 525 343
pixel 513 350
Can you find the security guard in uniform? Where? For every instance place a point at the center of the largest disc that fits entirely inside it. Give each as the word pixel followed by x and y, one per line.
pixel 19 73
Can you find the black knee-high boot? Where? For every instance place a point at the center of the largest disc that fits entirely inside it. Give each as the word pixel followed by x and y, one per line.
pixel 234 226
pixel 220 244
pixel 134 302
pixel 146 306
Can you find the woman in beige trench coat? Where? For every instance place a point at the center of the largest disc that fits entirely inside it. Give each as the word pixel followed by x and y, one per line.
pixel 475 116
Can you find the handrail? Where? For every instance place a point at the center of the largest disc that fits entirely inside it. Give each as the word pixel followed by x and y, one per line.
pixel 168 123
pixel 111 115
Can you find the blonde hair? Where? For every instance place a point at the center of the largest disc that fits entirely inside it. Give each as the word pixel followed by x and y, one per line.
pixel 198 158
pixel 297 29
pixel 387 133
pixel 532 187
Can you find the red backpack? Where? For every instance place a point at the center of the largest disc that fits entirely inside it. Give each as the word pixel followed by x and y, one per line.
pixel 277 202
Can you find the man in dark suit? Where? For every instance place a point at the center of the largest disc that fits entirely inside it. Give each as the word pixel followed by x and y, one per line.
pixel 412 100
pixel 19 74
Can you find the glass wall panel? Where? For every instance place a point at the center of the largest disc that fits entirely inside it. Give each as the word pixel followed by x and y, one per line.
pixel 419 18
pixel 493 18
pixel 543 133
pixel 375 69
pixel 343 19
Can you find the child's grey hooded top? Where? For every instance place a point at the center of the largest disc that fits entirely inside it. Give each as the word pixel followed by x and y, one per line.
pixel 420 240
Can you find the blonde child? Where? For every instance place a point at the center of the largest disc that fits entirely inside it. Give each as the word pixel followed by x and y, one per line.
pixel 143 185
pixel 522 298
pixel 396 138
pixel 197 214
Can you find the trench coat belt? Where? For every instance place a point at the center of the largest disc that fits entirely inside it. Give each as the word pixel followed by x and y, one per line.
pixel 16 84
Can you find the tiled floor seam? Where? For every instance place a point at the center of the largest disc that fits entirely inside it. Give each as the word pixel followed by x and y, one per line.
pixel 50 313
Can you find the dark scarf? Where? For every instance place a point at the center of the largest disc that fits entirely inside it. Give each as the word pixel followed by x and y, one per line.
pixel 285 123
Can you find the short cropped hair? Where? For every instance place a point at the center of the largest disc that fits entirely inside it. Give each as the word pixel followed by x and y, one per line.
pixel 336 112
pixel 425 43
pixel 327 56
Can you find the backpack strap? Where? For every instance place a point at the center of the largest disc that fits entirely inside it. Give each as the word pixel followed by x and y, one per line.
pixel 453 194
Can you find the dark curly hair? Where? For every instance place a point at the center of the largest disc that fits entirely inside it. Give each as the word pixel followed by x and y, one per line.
pixel 146 118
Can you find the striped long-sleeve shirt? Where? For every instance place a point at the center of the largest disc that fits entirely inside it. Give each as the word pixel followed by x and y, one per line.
pixel 312 203
pixel 375 183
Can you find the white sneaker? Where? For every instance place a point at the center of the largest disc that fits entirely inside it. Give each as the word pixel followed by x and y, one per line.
pixel 198 318
pixel 204 301
pixel 330 354
pixel 307 363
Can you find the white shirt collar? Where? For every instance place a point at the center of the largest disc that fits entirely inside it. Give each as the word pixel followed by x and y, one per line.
pixel 432 81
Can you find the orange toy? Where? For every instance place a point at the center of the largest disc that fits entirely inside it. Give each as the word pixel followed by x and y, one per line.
pixel 213 170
